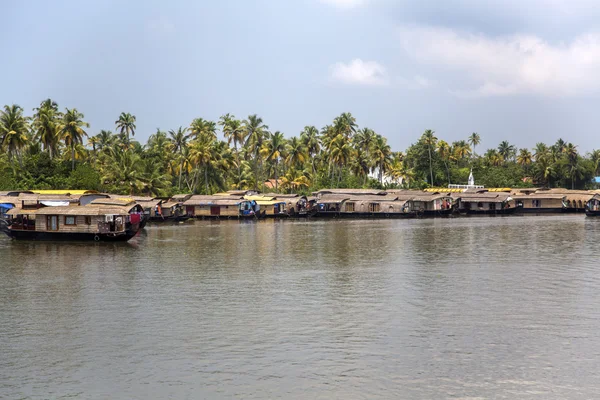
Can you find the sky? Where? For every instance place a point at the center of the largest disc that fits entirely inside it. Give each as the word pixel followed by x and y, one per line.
pixel 525 71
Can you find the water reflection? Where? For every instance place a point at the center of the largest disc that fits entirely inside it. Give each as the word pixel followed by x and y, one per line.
pixel 474 308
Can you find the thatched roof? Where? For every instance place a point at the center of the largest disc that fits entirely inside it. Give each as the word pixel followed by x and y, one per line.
pixel 487 197
pixel 350 191
pixel 372 198
pixel 538 196
pixel 169 204
pixel 205 200
pixel 333 198
pixel 283 195
pixel 89 210
pixel 120 201
pixel 181 197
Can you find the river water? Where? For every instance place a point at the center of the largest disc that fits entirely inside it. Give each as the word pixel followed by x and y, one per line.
pixel 469 308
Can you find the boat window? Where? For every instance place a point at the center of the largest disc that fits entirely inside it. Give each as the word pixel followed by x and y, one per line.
pixel 480 205
pixel 349 207
pixel 69 220
pixel 374 207
pixel 52 222
pixel 88 220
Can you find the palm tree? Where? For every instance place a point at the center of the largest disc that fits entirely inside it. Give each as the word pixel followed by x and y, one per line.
pixel 202 127
pixel 345 125
pixel 430 141
pixel 382 155
pixel 234 131
pixel 72 132
pixel 443 149
pixel 255 135
pixel 126 125
pixel 506 150
pixel 123 171
pixel 312 143
pixel 45 124
pixel 201 155
pixel 525 159
pixel 297 153
pixel 179 140
pixel 595 158
pixel 474 140
pixel 274 147
pixel 14 128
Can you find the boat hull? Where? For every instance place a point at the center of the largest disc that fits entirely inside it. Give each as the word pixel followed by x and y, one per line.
pixel 590 213
pixel 70 236
pixel 509 211
pixel 359 215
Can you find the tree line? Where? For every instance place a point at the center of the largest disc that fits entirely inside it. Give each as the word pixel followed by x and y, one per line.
pixel 55 149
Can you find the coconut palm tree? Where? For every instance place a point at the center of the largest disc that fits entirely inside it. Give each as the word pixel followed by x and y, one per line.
pixel 524 159
pixel 179 140
pixel 45 125
pixel 506 150
pixel 71 131
pixel 430 141
pixel 202 127
pixel 126 124
pixel 474 140
pixel 273 149
pixel 256 131
pixel 14 128
pixel 382 156
pixel 444 151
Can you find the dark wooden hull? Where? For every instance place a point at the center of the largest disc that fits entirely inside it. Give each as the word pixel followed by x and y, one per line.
pixel 71 236
pixel 360 215
pixel 591 213
pixel 553 210
pixel 506 211
pixel 179 218
pixel 435 213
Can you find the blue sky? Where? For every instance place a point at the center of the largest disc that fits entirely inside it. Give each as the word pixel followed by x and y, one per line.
pixel 526 71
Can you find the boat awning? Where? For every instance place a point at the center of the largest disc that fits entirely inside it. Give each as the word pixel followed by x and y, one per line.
pixel 50 203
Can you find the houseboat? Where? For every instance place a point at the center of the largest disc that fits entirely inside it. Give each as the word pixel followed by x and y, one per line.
pixel 221 207
pixel 592 208
pixel 269 206
pixel 539 203
pixel 93 222
pixel 482 202
pixel 375 206
pixel 427 204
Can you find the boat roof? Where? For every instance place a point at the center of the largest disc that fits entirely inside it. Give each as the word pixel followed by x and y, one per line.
pixel 65 191
pixel 89 210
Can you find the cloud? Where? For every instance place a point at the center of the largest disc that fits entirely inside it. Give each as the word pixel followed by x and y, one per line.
pixel 345 3
pixel 359 72
pixel 508 65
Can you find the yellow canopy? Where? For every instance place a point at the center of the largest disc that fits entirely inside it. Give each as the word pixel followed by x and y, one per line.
pixel 67 191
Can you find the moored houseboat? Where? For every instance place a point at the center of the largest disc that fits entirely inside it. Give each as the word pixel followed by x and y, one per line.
pixel 482 202
pixel 539 203
pixel 221 207
pixel 375 206
pixel 592 208
pixel 93 222
pixel 427 204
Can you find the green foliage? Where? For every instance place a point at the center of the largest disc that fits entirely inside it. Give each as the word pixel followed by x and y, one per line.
pixel 49 150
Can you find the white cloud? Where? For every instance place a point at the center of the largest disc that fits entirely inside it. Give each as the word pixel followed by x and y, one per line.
pixel 344 3
pixel 359 72
pixel 507 65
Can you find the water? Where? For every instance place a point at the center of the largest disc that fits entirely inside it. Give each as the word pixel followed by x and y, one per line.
pixel 471 308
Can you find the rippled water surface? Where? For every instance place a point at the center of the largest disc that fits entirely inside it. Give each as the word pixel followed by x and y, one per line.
pixel 500 308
